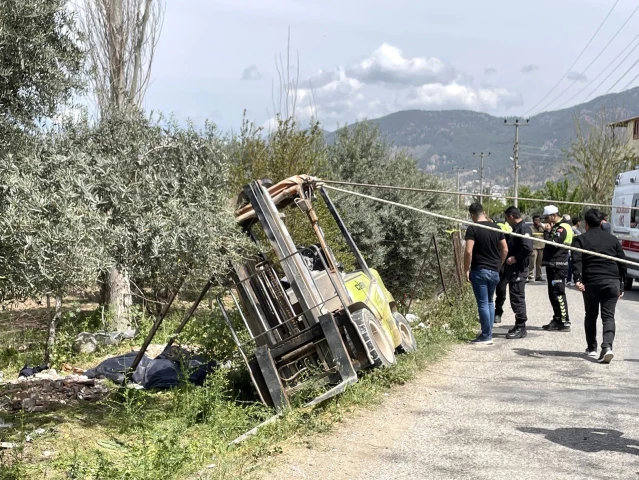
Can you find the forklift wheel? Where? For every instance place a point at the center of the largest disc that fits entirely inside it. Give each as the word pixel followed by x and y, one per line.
pixel 409 344
pixel 377 342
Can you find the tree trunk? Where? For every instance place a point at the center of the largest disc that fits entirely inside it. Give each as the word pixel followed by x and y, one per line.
pixel 119 300
pixel 53 323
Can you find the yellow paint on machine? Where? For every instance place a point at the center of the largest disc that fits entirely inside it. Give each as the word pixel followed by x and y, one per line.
pixel 373 293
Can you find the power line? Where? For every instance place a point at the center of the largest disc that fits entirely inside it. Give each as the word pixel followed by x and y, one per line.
pixel 630 83
pixel 543 154
pixel 466 194
pixel 603 71
pixel 575 62
pixel 622 77
pixel 593 61
pixel 540 148
pixel 484 227
pixel 610 74
pixel 530 154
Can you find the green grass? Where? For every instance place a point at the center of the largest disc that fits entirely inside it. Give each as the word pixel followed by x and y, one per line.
pixel 139 435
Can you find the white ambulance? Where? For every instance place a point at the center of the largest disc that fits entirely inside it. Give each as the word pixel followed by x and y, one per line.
pixel 625 220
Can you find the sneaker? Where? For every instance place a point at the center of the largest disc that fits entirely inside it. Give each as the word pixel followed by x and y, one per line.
pixel 539 279
pixel 497 319
pixel 570 284
pixel 591 353
pixel 530 280
pixel 482 341
pixel 517 332
pixel 606 355
pixel 557 326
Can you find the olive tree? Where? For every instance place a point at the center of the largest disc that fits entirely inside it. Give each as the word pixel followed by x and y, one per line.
pixel 164 193
pixel 393 239
pixel 40 60
pixel 50 228
pixel 120 37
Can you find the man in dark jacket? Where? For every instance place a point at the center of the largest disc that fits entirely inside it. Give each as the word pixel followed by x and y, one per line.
pixel 502 286
pixel 516 271
pixel 559 231
pixel 601 281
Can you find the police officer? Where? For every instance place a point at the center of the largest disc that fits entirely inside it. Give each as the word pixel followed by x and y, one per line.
pixel 559 231
pixel 500 291
pixel 516 269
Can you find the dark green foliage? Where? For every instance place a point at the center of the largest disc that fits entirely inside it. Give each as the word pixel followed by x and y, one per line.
pixel 393 239
pixel 562 190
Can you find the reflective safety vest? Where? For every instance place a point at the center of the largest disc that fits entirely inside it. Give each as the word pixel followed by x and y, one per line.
pixel 569 233
pixel 505 227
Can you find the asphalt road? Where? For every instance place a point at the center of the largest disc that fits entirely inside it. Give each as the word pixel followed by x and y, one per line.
pixel 534 408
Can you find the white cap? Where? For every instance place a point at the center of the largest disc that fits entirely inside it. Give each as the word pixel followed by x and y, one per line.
pixel 566 217
pixel 550 210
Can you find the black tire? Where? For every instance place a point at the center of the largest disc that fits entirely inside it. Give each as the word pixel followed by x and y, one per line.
pixel 377 342
pixel 627 284
pixel 409 344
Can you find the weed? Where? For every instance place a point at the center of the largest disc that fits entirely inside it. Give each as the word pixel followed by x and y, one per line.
pixel 142 435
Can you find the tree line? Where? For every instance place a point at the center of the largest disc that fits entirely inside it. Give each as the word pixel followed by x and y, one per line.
pixel 139 203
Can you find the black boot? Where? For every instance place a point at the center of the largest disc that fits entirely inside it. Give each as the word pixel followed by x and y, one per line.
pixel 557 326
pixel 518 331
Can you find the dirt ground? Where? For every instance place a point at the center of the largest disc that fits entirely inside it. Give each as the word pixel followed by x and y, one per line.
pixel 521 409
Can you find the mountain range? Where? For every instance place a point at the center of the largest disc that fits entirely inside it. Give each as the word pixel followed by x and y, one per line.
pixel 443 140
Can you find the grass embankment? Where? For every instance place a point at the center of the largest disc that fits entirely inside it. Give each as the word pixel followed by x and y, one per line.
pixel 184 433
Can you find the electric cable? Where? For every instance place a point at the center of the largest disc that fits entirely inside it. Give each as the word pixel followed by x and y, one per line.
pixel 575 62
pixel 485 227
pixel 466 194
pixel 593 60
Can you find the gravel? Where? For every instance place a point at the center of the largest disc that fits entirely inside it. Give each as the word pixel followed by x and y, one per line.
pixel 521 409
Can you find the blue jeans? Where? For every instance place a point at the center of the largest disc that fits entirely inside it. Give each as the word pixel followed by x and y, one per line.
pixel 484 283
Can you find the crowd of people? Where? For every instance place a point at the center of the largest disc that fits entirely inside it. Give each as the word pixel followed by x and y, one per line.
pixel 496 262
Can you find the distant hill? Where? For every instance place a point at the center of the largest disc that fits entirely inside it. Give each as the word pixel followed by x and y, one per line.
pixel 441 140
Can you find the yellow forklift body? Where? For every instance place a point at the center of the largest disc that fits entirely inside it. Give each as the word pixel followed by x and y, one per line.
pixel 373 293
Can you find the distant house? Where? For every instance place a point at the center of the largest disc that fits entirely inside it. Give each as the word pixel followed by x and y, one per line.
pixel 632 126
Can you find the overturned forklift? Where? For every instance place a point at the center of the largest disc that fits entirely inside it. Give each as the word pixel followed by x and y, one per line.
pixel 308 322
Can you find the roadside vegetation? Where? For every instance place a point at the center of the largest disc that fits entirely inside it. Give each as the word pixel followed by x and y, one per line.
pixel 185 432
pixel 106 213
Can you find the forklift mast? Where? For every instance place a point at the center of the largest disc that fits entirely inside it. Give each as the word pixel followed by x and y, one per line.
pixel 300 325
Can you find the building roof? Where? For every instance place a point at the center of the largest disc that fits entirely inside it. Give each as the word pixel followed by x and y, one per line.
pixel 623 123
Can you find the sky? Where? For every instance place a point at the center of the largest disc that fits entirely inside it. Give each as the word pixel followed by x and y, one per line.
pixel 368 58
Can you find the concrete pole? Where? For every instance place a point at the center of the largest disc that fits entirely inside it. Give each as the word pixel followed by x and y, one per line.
pixel 459 197
pixel 481 174
pixel 516 162
pixel 516 124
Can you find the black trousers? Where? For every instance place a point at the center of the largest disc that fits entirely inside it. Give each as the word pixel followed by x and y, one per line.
pixel 557 292
pixel 606 296
pixel 516 284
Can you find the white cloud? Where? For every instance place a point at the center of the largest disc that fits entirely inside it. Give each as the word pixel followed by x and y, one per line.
pixel 386 81
pixel 454 95
pixel 490 71
pixel 388 65
pixel 251 73
pixel 336 94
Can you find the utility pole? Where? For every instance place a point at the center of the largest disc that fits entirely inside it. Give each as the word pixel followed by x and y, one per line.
pixel 515 158
pixel 481 173
pixel 458 170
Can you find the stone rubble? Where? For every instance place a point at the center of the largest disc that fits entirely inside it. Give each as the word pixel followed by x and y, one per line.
pixel 48 389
